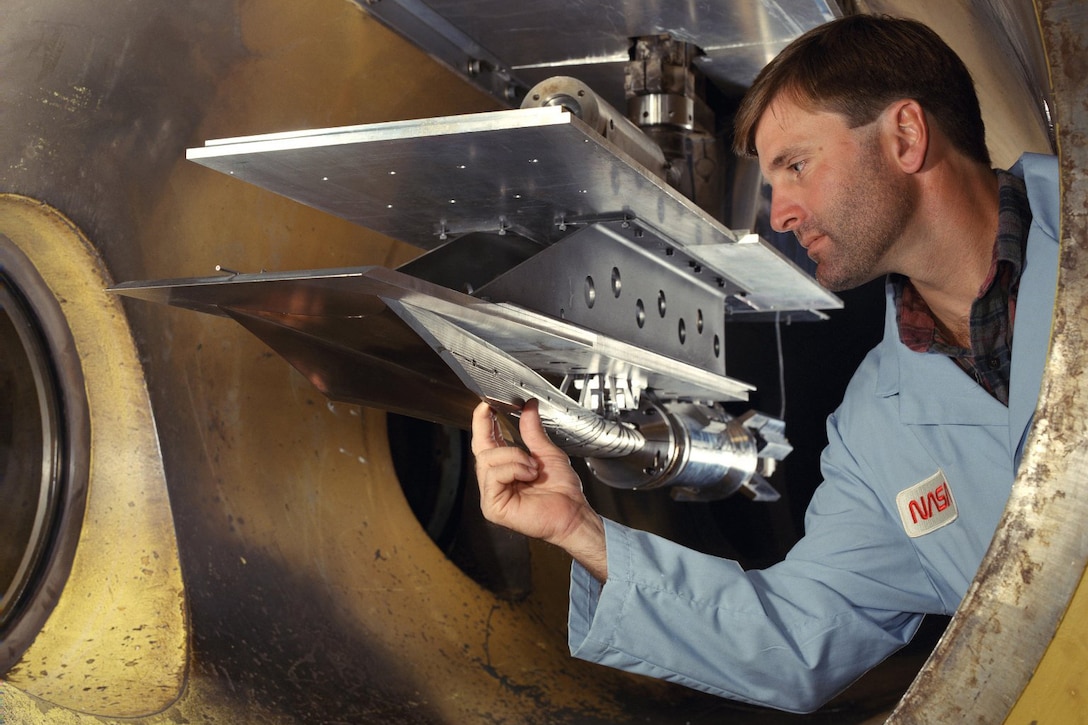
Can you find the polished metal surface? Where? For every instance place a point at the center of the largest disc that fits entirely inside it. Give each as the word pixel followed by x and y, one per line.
pixel 556 172
pixel 628 439
pixel 537 172
pixel 699 450
pixel 499 353
pixel 337 310
pixel 506 384
pixel 579 99
pixel 602 278
pixel 590 40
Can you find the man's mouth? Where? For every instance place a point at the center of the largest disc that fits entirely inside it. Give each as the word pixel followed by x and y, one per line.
pixel 810 243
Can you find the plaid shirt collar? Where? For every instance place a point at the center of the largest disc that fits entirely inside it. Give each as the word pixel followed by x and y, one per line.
pixel 993 312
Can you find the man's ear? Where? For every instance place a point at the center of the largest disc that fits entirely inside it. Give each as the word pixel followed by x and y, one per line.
pixel 910 131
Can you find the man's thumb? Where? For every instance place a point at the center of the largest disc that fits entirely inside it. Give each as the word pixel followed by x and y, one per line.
pixel 532 429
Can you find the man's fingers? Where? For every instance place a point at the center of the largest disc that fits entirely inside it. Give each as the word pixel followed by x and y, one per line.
pixel 485 430
pixel 502 473
pixel 486 434
pixel 498 471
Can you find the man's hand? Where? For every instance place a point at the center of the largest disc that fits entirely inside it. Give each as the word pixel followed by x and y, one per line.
pixel 536 493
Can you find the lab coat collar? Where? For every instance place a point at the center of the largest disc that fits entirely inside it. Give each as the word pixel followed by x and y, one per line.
pixel 946 394
pixel 1035 302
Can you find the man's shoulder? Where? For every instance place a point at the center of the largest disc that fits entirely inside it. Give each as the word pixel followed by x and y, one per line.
pixel 1039 165
pixel 1040 175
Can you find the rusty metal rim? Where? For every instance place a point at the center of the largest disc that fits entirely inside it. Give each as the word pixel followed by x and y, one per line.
pixel 1038 556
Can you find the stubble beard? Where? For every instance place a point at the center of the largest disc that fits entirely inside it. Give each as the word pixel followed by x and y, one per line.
pixel 862 224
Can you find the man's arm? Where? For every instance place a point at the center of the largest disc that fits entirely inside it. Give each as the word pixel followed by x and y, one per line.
pixel 536 493
pixel 789 636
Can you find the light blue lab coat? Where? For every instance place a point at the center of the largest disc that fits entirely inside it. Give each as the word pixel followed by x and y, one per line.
pixel 856 587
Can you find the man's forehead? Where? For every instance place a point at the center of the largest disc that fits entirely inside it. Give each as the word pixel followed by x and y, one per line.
pixel 783 113
pixel 787 123
pixel 782 109
pixel 777 132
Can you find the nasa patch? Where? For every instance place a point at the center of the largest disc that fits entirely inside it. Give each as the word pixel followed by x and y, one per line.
pixel 926 506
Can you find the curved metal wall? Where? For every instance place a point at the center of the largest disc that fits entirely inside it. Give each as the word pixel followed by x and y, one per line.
pixel 311 592
pixel 303 588
pixel 1017 641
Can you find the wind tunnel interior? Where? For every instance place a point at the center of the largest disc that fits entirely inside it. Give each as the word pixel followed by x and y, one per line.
pixel 331 561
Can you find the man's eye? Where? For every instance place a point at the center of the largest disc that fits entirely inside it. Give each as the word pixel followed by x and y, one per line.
pixel 797 166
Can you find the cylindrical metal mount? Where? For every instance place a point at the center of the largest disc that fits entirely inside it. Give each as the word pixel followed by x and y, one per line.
pixel 663 109
pixel 578 98
pixel 696 445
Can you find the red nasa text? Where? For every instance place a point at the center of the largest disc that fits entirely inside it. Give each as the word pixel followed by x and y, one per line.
pixel 931 502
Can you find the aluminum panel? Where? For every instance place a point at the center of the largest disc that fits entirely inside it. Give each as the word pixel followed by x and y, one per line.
pixel 601 279
pixel 538 172
pixel 590 39
pixel 333 311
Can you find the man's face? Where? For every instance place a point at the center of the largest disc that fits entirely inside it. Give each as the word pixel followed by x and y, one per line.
pixel 835 189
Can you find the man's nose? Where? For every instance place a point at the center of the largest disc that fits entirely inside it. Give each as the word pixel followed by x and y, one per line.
pixel 785 212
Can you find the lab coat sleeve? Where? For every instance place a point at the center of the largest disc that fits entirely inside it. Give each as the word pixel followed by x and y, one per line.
pixel 850 593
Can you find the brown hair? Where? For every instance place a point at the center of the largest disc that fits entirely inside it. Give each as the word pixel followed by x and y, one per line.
pixel 856 66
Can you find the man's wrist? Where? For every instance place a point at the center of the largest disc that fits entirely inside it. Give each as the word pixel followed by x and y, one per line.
pixel 587 545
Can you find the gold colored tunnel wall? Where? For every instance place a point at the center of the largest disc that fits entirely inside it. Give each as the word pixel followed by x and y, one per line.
pixel 116 639
pixel 313 593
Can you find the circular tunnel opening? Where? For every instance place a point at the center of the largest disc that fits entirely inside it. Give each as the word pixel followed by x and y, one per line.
pixel 433 463
pixel 31 479
pixel 44 452
pixel 430 463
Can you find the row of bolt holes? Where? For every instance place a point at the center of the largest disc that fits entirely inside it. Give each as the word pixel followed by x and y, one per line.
pixel 640 309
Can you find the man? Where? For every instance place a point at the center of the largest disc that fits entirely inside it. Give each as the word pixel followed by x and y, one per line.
pixel 869 133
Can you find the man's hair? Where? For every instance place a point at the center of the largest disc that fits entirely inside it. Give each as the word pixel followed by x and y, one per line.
pixel 856 66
